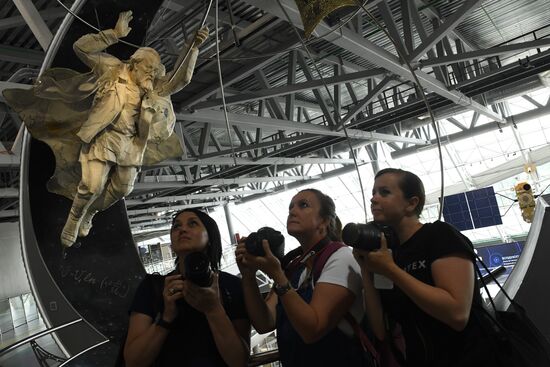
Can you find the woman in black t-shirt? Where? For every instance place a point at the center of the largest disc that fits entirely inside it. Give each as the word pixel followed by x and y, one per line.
pixel 175 322
pixel 433 279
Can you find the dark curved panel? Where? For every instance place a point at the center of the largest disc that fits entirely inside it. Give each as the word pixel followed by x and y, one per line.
pixel 99 274
pixel 528 282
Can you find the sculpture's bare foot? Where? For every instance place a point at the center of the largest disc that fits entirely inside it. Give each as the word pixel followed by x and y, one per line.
pixel 85 225
pixel 69 232
pixel 67 239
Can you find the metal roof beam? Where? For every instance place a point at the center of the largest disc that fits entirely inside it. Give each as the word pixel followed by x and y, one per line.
pixel 6 193
pixel 179 181
pixel 444 29
pixel 9 160
pixel 291 88
pixel 202 196
pixel 362 47
pixel 391 27
pixel 431 13
pixel 517 119
pixel 275 110
pixel 223 17
pixel 171 207
pixel 280 100
pixel 21 55
pixel 46 14
pixel 327 113
pixel 478 54
pixel 255 162
pixel 35 22
pixel 216 118
pixel 151 219
pixel 360 106
pixel 9 213
pixel 242 72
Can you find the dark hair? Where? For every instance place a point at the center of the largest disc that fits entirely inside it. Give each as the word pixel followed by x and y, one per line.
pixel 410 184
pixel 328 211
pixel 214 247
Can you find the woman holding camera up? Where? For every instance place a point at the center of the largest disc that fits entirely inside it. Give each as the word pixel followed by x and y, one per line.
pixel 434 284
pixel 308 309
pixel 174 321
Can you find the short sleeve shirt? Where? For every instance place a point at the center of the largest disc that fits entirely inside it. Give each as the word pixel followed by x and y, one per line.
pixel 429 341
pixel 190 342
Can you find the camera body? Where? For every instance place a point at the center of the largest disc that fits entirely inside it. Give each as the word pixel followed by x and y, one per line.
pixel 253 242
pixel 197 269
pixel 367 236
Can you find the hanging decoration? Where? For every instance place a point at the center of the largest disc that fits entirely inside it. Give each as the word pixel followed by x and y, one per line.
pixel 313 11
pixel 526 200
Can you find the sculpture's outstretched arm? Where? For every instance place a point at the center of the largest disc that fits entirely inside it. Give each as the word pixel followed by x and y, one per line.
pixel 178 78
pixel 89 47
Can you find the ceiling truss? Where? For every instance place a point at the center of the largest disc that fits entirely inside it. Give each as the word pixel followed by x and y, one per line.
pixel 283 122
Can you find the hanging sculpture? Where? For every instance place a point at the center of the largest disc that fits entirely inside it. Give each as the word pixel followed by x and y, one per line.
pixel 312 12
pixel 526 200
pixel 104 125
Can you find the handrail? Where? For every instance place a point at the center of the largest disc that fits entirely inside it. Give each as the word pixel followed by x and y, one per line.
pixel 259 359
pixel 84 351
pixel 36 336
pixel 17 295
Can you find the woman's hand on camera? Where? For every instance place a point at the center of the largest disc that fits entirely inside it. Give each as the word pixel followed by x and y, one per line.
pixel 243 260
pixel 268 263
pixel 249 264
pixel 173 286
pixel 380 261
pixel 203 299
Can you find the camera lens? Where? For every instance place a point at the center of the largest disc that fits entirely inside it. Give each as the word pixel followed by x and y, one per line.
pixel 362 236
pixel 197 269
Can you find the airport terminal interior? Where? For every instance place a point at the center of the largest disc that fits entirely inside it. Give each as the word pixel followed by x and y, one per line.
pixel 455 91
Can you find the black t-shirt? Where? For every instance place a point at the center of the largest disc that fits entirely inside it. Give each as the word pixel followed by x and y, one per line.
pixel 429 342
pixel 190 343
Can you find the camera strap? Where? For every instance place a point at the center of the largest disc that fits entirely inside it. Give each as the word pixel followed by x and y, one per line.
pixel 301 259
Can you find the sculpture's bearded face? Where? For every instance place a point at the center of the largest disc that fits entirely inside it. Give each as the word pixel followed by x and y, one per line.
pixel 145 68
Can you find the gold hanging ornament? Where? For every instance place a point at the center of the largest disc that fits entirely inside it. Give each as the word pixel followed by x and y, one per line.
pixel 313 11
pixel 526 200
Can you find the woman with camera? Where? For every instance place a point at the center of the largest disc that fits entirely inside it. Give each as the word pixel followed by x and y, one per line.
pixel 307 309
pixel 433 285
pixel 174 321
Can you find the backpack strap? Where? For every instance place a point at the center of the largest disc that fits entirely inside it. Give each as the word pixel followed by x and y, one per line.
pixel 366 344
pixel 322 257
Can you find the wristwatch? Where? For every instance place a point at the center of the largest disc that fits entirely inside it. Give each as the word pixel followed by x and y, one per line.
pixel 281 289
pixel 164 324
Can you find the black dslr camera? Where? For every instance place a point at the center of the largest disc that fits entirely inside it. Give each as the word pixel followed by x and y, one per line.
pixel 253 242
pixel 197 269
pixel 368 236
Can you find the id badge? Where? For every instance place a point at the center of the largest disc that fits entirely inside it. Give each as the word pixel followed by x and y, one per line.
pixel 382 282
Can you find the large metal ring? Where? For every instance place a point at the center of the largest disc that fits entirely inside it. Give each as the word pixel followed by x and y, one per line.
pixel 171 291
